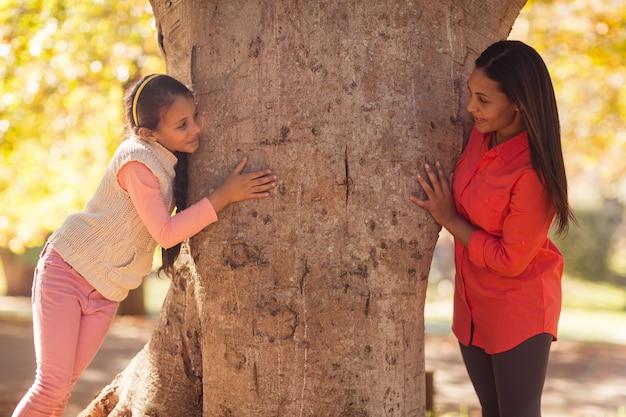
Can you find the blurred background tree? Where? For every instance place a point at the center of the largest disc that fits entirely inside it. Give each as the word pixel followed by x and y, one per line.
pixel 64 68
pixel 584 45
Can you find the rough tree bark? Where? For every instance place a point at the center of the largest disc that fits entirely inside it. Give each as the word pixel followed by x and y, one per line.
pixel 310 304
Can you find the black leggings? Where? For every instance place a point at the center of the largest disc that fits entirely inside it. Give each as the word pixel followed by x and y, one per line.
pixel 509 384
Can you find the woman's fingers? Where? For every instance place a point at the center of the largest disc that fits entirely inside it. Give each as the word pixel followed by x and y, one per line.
pixel 434 180
pixel 417 202
pixel 442 178
pixel 427 188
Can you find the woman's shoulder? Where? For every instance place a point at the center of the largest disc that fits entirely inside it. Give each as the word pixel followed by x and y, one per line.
pixel 476 136
pixel 473 141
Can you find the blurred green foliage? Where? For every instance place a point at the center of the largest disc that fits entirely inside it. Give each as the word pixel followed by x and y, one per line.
pixel 587 246
pixel 64 68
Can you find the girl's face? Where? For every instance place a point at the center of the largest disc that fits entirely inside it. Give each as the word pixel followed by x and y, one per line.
pixel 178 129
pixel 490 107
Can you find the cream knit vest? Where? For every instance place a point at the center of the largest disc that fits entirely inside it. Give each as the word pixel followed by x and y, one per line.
pixel 108 243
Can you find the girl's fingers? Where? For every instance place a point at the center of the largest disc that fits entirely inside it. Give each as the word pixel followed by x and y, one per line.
pixel 259 174
pixel 240 166
pixel 263 180
pixel 259 196
pixel 264 187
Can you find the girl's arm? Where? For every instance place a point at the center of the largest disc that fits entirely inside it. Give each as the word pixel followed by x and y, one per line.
pixel 239 186
pixel 143 188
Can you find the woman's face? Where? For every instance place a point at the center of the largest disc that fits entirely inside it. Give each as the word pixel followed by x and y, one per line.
pixel 178 129
pixel 491 108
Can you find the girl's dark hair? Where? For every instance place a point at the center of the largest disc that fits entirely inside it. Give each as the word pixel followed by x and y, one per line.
pixel 523 77
pixel 155 98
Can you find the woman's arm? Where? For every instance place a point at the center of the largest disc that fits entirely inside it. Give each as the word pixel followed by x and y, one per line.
pixel 440 204
pixel 524 230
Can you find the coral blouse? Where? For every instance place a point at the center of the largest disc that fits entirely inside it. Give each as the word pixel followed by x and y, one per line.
pixel 508 278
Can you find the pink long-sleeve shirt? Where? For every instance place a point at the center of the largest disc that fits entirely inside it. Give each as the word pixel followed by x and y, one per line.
pixel 167 230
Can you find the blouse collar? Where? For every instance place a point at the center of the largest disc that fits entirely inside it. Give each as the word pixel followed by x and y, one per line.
pixel 511 148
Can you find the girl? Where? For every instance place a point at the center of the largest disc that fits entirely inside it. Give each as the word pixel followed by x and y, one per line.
pixel 91 262
pixel 509 184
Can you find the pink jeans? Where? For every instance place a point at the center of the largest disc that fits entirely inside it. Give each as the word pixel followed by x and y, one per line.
pixel 70 320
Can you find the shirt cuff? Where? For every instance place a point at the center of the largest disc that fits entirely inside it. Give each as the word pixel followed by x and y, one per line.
pixel 476 248
pixel 210 210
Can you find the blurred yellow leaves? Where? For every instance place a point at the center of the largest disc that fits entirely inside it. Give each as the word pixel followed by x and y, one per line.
pixel 63 69
pixel 584 45
pixel 64 64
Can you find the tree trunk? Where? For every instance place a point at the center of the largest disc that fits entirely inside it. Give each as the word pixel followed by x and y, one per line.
pixel 134 304
pixel 18 272
pixel 311 303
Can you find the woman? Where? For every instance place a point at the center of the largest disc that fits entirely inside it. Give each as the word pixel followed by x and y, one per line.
pixel 509 185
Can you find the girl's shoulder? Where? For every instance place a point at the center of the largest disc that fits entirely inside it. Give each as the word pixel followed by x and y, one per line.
pixel 153 155
pixel 133 149
pixel 133 144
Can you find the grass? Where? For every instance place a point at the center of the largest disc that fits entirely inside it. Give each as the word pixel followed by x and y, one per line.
pixel 588 295
pixel 592 311
pixel 463 412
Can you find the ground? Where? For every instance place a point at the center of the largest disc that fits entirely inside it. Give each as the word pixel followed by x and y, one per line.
pixel 584 379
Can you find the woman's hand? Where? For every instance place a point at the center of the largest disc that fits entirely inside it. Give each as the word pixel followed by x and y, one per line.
pixel 440 202
pixel 239 187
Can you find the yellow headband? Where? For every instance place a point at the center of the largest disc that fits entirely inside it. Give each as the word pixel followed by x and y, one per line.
pixel 136 98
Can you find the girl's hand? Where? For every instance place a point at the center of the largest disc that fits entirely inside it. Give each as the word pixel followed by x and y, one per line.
pixel 440 202
pixel 239 187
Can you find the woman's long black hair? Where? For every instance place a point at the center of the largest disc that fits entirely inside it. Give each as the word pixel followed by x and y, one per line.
pixel 523 77
pixel 155 98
